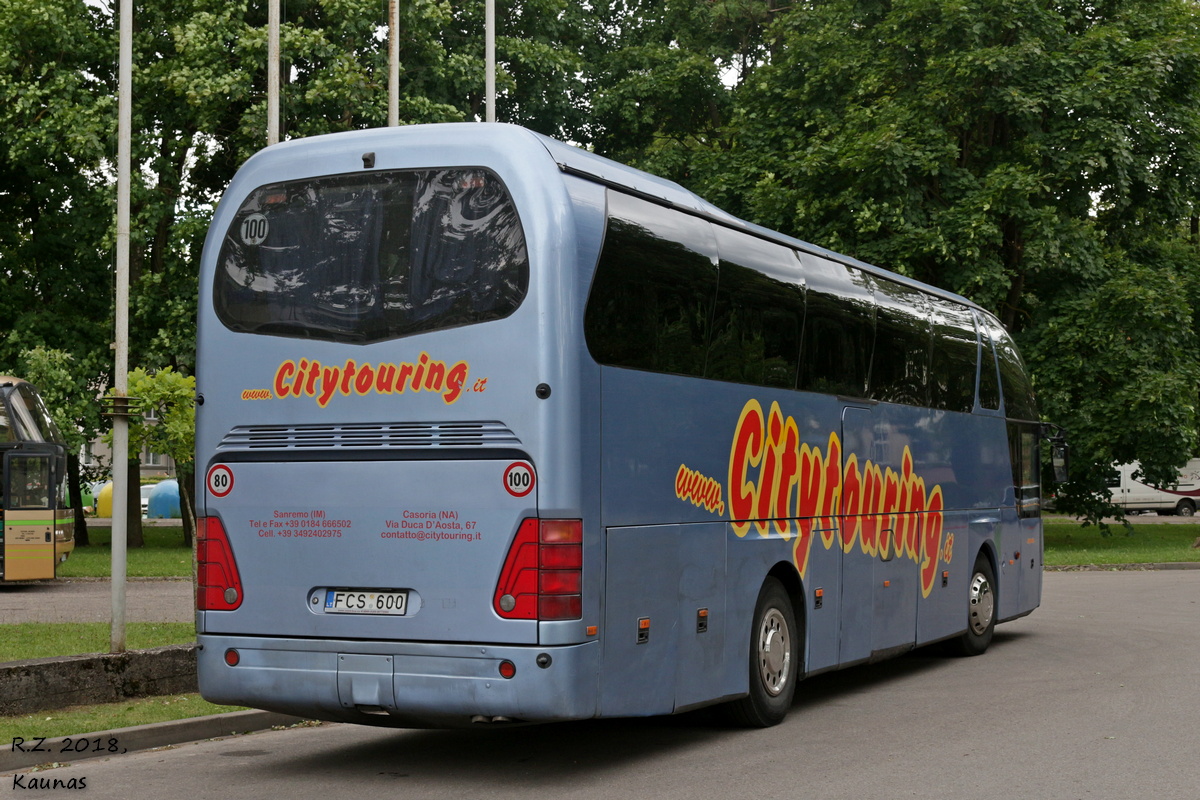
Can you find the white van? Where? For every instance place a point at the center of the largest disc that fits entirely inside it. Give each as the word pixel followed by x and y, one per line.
pixel 1181 498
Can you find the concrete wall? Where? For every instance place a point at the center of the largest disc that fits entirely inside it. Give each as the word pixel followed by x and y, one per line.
pixel 44 683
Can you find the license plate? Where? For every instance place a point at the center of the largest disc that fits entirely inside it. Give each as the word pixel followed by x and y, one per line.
pixel 347 601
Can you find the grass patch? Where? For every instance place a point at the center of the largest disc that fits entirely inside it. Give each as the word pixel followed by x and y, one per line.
pixel 47 639
pixel 78 720
pixel 163 555
pixel 1069 544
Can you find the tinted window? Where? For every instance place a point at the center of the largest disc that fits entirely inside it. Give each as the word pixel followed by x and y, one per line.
pixel 1023 444
pixel 31 421
pixel 900 364
pixel 361 258
pixel 839 328
pixel 759 314
pixel 7 434
pixel 1015 387
pixel 652 298
pixel 989 384
pixel 953 357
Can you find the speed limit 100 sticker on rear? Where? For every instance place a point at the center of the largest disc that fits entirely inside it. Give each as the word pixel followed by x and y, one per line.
pixel 519 478
pixel 219 480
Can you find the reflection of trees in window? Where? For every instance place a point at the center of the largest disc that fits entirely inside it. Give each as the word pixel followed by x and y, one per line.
pixel 769 316
pixel 1016 389
pixel 839 329
pixel 953 357
pixel 759 315
pixel 900 364
pixel 989 383
pixel 371 257
pixel 651 300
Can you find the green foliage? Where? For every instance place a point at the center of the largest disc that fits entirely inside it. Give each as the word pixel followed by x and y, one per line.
pixel 165 401
pixel 54 119
pixel 1040 158
pixel 663 76
pixel 69 391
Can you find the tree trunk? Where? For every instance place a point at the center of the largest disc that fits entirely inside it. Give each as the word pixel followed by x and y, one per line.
pixel 187 507
pixel 133 505
pixel 81 532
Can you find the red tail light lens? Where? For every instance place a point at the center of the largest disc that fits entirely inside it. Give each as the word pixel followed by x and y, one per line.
pixel 542 577
pixel 219 587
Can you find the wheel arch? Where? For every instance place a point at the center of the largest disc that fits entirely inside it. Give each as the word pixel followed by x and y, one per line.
pixel 988 550
pixel 785 572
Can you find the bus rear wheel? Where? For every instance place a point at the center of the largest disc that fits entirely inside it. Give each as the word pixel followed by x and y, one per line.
pixel 981 611
pixel 1186 508
pixel 774 666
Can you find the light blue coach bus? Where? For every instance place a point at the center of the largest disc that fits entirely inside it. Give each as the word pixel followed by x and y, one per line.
pixel 494 430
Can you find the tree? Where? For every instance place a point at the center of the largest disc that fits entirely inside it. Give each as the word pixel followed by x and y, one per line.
pixel 54 212
pixel 165 403
pixel 1041 158
pixel 663 75
pixel 72 397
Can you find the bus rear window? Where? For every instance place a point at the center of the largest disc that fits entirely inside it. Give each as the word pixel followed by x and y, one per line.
pixel 365 258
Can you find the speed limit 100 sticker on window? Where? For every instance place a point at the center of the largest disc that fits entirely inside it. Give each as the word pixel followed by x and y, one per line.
pixel 519 479
pixel 219 480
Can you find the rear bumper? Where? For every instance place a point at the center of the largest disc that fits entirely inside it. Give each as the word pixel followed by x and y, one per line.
pixel 400 684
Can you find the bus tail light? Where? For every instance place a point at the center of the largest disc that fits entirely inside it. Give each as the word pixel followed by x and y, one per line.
pixel 542 577
pixel 219 587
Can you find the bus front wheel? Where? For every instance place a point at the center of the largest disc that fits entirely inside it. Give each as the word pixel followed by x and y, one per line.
pixel 774 640
pixel 981 611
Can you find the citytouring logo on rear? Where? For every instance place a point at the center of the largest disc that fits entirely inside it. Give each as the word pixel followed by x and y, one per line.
pixel 311 378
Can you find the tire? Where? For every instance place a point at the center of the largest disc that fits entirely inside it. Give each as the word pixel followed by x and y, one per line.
pixel 981 611
pixel 1186 508
pixel 773 660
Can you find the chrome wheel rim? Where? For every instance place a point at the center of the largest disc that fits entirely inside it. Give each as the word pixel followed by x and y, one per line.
pixel 774 652
pixel 983 604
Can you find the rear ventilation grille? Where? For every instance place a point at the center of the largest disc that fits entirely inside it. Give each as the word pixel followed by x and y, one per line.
pixel 358 436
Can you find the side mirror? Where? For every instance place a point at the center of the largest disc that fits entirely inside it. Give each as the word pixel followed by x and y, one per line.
pixel 1060 451
pixel 1060 457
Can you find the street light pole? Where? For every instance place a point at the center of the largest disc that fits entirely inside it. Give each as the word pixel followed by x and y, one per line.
pixel 272 72
pixel 393 63
pixel 121 337
pixel 489 56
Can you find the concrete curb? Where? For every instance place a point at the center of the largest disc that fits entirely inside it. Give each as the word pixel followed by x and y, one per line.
pixel 39 684
pixel 139 737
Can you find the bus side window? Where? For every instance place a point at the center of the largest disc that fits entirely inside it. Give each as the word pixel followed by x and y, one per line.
pixel 29 480
pixel 7 434
pixel 1019 402
pixel 989 383
pixel 900 364
pixel 839 328
pixel 1023 446
pixel 953 358
pixel 651 301
pixel 759 314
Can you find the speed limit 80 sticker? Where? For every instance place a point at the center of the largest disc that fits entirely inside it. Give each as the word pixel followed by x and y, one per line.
pixel 519 479
pixel 219 480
